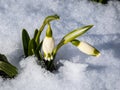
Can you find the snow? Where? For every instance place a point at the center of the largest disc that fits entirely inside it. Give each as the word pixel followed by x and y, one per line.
pixel 77 70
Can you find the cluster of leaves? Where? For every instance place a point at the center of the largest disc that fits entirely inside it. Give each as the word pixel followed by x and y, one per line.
pixel 101 1
pixel 6 69
pixel 32 46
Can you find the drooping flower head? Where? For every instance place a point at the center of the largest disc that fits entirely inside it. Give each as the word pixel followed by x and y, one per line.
pixel 48 44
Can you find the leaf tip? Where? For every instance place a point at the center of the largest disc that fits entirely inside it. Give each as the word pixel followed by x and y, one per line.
pixel 90 26
pixel 56 16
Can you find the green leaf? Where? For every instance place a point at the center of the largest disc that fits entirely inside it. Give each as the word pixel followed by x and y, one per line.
pixel 3 58
pixel 6 69
pixel 85 47
pixel 51 18
pixel 37 51
pixel 71 36
pixel 75 33
pixel 9 69
pixel 25 40
pixel 35 33
pixel 47 20
pixel 31 47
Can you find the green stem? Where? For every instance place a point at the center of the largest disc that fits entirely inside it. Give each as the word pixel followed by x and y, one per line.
pixel 51 66
pixel 57 48
pixel 39 33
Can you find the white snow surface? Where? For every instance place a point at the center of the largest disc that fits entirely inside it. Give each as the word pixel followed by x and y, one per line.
pixel 78 71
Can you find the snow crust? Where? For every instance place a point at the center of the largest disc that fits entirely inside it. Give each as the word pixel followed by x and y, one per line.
pixel 77 71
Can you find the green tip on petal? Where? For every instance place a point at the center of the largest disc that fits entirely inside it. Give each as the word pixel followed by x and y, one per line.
pixel 88 49
pixel 49 31
pixel 97 53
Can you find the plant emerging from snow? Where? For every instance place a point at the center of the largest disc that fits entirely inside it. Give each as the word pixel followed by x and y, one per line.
pixel 35 46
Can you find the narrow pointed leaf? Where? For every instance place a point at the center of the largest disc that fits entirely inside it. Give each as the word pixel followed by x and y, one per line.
pixel 71 36
pixel 47 20
pixel 8 69
pixel 51 18
pixel 37 51
pixel 75 33
pixel 40 56
pixel 25 40
pixel 35 33
pixel 31 47
pixel 86 48
pixel 3 58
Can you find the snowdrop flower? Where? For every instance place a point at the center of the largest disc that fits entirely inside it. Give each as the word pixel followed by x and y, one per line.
pixel 86 48
pixel 48 44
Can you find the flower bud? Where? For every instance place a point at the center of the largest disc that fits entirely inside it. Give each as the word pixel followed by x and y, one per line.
pixel 86 48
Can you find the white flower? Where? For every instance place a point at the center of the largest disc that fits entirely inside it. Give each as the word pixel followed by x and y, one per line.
pixel 48 46
pixel 88 49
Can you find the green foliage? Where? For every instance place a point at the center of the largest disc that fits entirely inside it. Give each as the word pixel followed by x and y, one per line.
pixel 6 69
pixel 35 33
pixel 33 46
pixel 25 39
pixel 101 1
pixel 37 51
